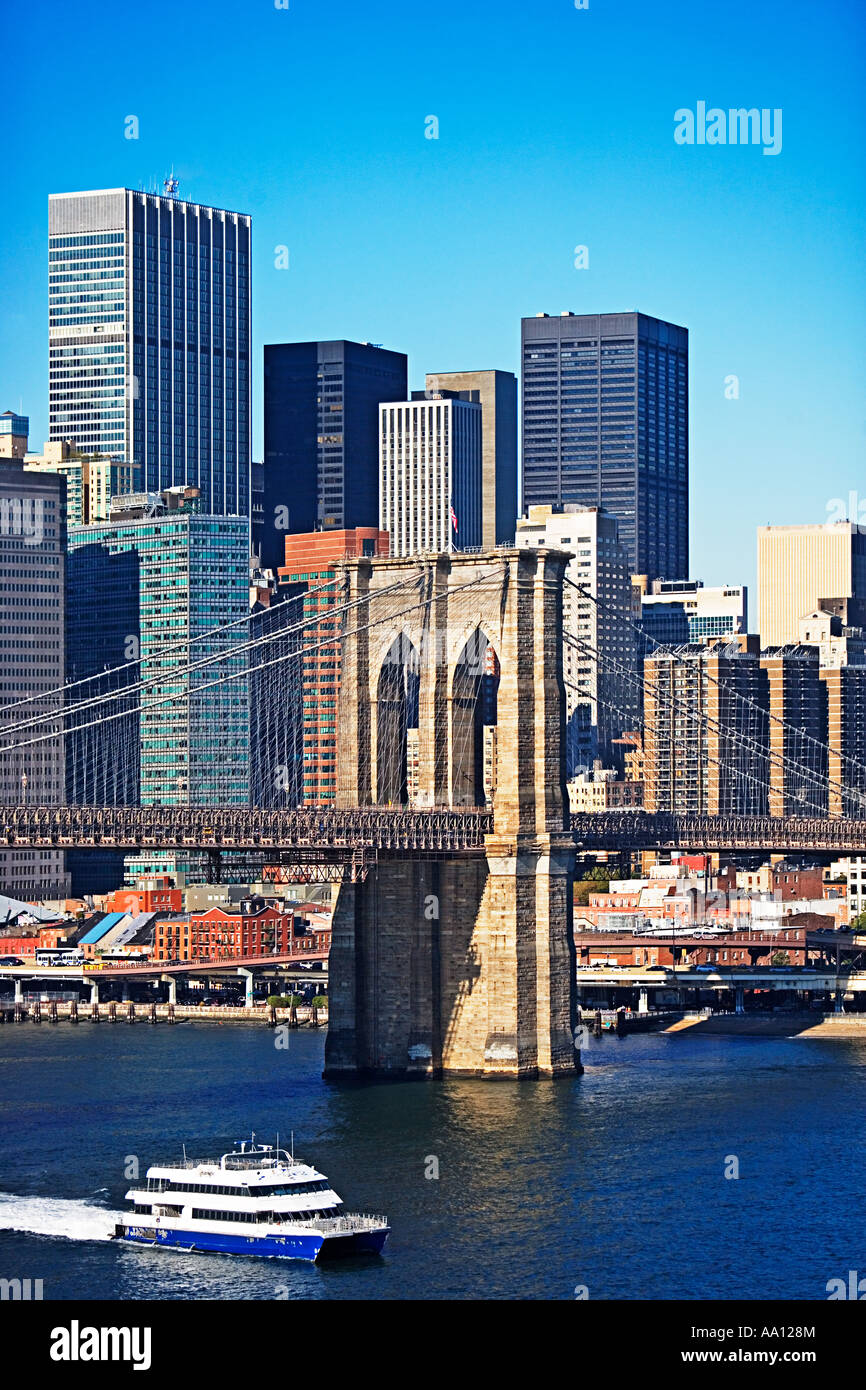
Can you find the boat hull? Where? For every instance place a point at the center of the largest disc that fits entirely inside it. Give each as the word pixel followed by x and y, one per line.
pixel 310 1246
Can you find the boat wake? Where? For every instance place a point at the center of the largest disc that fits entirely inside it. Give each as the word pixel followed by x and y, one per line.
pixel 57 1216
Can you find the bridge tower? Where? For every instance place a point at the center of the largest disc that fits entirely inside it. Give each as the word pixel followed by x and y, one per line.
pixel 452 695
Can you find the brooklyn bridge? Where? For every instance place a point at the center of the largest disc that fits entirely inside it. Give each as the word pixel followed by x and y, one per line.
pixel 449 833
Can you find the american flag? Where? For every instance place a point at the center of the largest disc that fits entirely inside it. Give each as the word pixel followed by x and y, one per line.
pixel 453 516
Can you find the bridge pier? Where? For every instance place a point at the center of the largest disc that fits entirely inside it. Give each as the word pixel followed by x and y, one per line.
pixel 248 987
pixel 171 981
pixel 459 967
pixel 643 1001
pixel 463 966
pixel 740 1000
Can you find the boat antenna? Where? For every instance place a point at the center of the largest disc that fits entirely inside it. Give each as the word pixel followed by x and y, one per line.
pixel 293 1146
pixel 184 1153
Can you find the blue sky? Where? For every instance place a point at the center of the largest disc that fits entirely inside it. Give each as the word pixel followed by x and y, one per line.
pixel 555 130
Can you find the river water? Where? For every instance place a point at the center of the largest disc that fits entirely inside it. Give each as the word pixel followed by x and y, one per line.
pixel 610 1185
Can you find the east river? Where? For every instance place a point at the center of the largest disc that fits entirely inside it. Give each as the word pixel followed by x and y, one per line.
pixel 611 1185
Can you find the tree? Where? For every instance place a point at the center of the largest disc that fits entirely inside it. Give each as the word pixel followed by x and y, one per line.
pixel 584 886
pixel 780 958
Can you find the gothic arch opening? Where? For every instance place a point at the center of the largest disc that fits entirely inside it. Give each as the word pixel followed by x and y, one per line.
pixel 397 724
pixel 474 694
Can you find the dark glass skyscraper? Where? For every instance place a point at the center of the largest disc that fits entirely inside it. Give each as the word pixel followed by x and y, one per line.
pixel 321 466
pixel 605 424
pixel 149 338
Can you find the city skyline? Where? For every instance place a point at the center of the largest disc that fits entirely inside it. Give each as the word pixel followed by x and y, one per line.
pixel 735 230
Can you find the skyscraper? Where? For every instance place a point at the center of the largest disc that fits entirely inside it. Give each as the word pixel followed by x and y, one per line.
pixel 32 577
pixel 430 473
pixel 149 339
pixel 605 424
pixel 496 393
pixel 321 465
pixel 803 568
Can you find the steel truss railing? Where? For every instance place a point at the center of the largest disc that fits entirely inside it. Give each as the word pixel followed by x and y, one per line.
pixel 326 831
pixel 320 836
pixel 611 830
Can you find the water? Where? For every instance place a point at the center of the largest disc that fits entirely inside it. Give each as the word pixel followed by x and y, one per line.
pixel 614 1180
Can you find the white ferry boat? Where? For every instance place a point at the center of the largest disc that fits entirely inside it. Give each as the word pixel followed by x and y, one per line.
pixel 256 1200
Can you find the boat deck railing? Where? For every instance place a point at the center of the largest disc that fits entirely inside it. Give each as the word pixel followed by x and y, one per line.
pixel 353 1221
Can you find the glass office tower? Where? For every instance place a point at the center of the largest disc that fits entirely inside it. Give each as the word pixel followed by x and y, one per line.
pixel 161 586
pixel 173 588
pixel 322 437
pixel 149 339
pixel 605 424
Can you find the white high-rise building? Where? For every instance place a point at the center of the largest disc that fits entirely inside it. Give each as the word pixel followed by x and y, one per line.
pixel 430 473
pixel 676 611
pixel 601 675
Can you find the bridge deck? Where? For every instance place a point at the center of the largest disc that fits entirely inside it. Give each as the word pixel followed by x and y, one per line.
pixel 334 835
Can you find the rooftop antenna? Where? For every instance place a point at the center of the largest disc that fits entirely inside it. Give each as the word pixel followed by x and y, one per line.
pixel 170 185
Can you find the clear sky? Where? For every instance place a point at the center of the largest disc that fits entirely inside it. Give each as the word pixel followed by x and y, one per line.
pixel 556 129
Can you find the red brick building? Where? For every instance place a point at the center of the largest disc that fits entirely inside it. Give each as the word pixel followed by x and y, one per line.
pixel 148 895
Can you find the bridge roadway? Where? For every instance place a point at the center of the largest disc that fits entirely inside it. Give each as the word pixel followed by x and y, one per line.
pixel 141 970
pixel 736 977
pixel 354 837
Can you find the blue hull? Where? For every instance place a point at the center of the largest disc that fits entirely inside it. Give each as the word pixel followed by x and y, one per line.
pixel 294 1247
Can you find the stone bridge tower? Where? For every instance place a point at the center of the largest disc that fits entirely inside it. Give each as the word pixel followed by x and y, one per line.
pixel 452 695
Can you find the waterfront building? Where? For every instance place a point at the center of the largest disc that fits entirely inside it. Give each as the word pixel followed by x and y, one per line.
pixel 321 437
pixel 430 473
pixel 156 587
pixel 605 424
pixel 149 338
pixel 496 393
pixel 32 671
pixel 805 568
pixel 705 729
pixel 252 928
pixel 14 431
pixel 312 569
pixel 599 659
pixel 675 611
